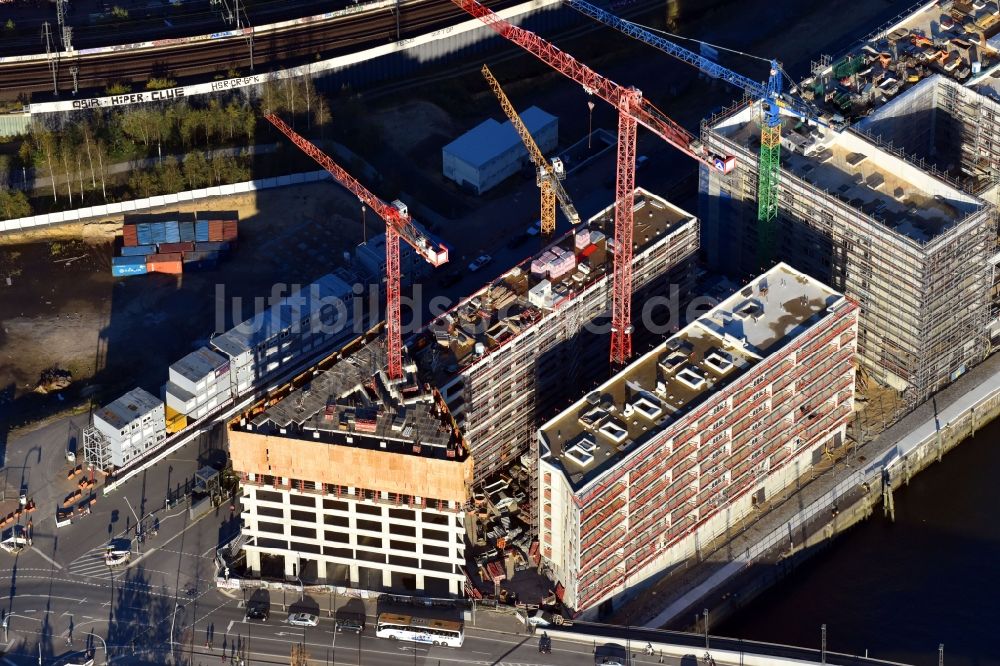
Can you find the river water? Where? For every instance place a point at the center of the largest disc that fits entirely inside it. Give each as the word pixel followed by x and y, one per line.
pixel 899 589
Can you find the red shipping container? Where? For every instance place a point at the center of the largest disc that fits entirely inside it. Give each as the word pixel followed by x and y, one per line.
pixel 229 230
pixel 215 230
pixel 130 235
pixel 172 248
pixel 589 250
pixel 165 263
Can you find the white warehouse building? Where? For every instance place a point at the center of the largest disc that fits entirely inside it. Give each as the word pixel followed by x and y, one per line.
pixel 199 383
pixel 491 152
pixel 131 425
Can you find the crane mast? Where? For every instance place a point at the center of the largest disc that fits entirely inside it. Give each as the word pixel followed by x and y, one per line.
pixel 633 110
pixel 771 94
pixel 397 225
pixel 548 179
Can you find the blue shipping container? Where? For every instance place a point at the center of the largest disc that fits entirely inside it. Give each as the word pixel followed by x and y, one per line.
pixel 201 230
pixel 121 266
pixel 144 234
pixel 187 232
pixel 159 232
pixel 138 250
pixel 173 232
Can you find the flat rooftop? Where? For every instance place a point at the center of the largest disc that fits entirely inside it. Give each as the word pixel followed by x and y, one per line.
pixel 133 405
pixel 484 322
pixel 685 370
pixel 883 186
pixel 285 314
pixel 198 364
pixel 354 403
pixel 490 138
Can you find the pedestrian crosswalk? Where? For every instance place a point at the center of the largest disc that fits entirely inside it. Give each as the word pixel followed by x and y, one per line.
pixel 91 564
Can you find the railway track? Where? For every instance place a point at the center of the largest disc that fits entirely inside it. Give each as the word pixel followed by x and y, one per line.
pixel 272 50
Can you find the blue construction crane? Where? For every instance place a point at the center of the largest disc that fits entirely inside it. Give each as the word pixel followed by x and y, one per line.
pixel 769 93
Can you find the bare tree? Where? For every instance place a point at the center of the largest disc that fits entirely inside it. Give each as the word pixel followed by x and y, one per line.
pixel 87 139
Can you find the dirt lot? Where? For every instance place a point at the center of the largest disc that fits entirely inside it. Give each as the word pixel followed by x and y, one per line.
pixel 64 308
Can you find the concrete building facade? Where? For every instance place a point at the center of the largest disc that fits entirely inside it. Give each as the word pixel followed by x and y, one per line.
pixel 905 243
pixel 355 480
pixel 505 357
pixel 491 152
pixel 684 442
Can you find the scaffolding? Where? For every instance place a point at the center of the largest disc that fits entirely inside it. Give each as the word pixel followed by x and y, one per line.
pixel 914 335
pixel 96 449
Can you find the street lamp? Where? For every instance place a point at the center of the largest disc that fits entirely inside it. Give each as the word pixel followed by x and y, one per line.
pixel 705 615
pixel 173 617
pixel 106 662
pixel 6 626
pixel 590 123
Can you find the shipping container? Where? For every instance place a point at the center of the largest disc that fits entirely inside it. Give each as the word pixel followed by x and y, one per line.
pixel 144 235
pixel 159 230
pixel 186 231
pixel 129 234
pixel 200 265
pixel 215 230
pixel 138 250
pixel 165 263
pixel 172 231
pixel 229 230
pixel 171 248
pixel 201 230
pixel 220 247
pixel 176 421
pixel 121 266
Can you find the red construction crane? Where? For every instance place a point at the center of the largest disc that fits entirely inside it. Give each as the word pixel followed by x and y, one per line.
pixel 397 225
pixel 632 108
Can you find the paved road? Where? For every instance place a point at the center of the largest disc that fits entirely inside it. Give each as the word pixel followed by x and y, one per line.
pixel 123 609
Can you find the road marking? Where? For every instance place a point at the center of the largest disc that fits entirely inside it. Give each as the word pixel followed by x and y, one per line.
pixel 230 627
pixel 49 559
pixel 205 554
pixel 140 558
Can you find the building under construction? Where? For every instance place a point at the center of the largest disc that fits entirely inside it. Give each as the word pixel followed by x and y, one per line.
pixel 905 242
pixel 957 130
pixel 680 445
pixel 505 357
pixel 355 479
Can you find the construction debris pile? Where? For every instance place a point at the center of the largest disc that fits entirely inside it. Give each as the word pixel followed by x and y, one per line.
pixel 502 543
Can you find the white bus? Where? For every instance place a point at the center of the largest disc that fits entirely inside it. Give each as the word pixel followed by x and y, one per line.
pixel 419 630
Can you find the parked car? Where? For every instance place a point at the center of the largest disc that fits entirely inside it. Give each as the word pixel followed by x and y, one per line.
pixel 479 262
pixel 257 612
pixel 352 622
pixel 518 241
pixel 303 620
